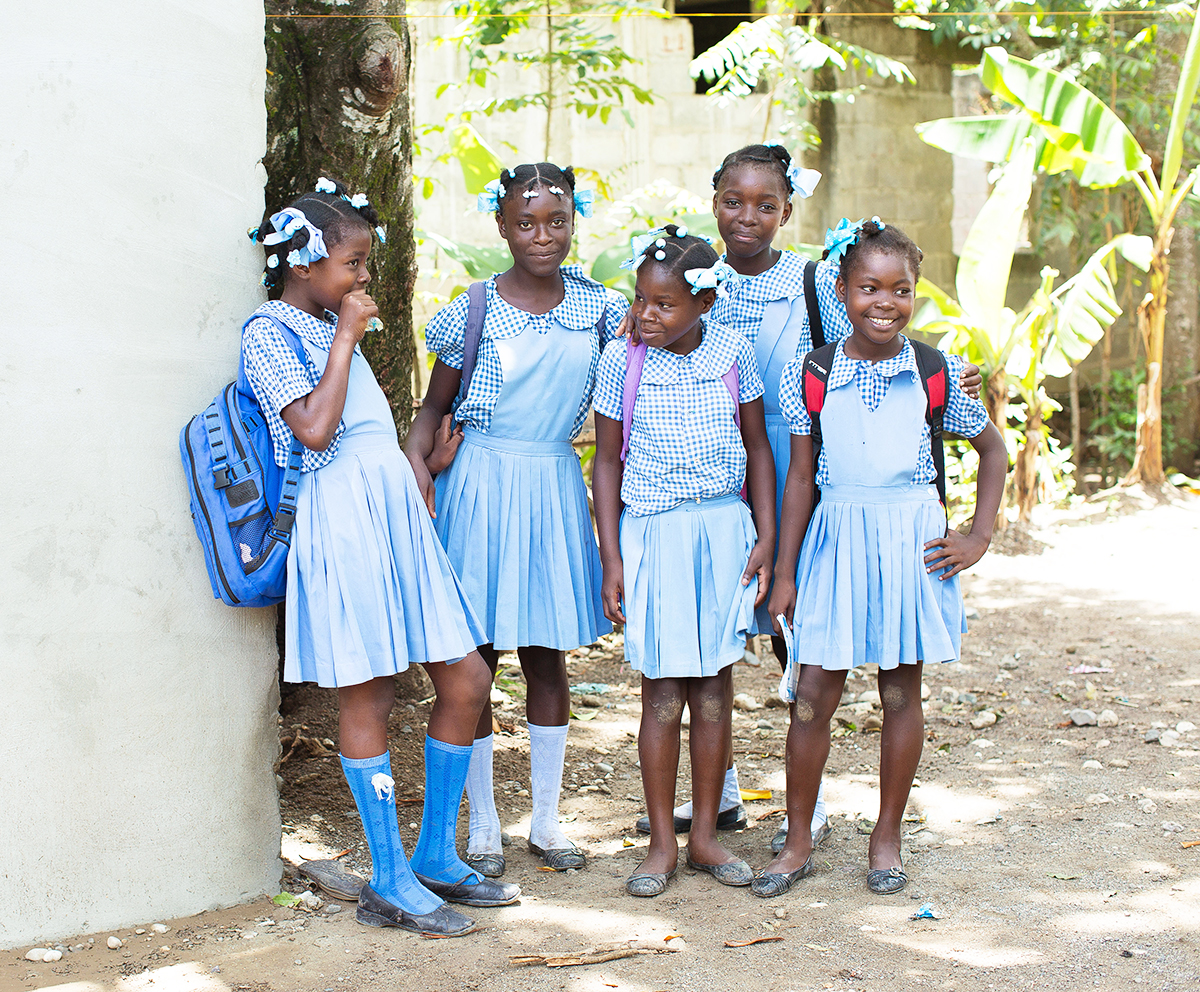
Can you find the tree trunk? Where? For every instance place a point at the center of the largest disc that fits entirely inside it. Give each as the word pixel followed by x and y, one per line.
pixel 1147 461
pixel 1025 477
pixel 995 400
pixel 337 105
pixel 1181 341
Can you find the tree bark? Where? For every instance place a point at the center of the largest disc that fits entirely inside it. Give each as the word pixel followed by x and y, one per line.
pixel 337 105
pixel 995 400
pixel 1025 477
pixel 1152 314
pixel 1181 343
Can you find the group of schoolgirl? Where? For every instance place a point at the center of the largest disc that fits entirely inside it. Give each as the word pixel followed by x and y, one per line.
pixel 480 541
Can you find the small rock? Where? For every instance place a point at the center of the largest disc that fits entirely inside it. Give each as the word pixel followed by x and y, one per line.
pixel 924 691
pixel 160 928
pixel 774 702
pixel 1184 727
pixel 1171 827
pixel 1152 736
pixel 971 613
pixel 523 793
pixel 500 697
pixel 1083 718
pixel 592 700
pixel 982 743
pixel 985 718
pixel 1009 663
pixel 332 909
pixel 1098 799
pixel 870 696
pixel 1147 805
pixel 406 729
pixel 967 698
pixel 310 901
pixel 36 954
pixel 1093 763
pixel 781 914
pixel 505 839
pixel 139 930
pixel 52 955
pixel 949 695
pixel 744 701
pixel 924 838
pixel 603 767
pixel 1117 763
pixel 114 943
pixel 1107 718
pixel 872 722
pixel 1169 738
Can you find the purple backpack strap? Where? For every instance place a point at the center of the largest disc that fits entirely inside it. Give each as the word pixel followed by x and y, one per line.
pixel 635 358
pixel 730 379
pixel 476 312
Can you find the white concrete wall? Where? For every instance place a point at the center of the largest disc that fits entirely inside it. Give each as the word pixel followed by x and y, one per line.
pixel 138 729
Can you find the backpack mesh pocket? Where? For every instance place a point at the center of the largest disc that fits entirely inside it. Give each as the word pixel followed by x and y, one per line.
pixel 250 537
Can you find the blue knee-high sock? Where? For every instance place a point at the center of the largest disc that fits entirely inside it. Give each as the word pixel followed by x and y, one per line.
pixel 435 855
pixel 371 782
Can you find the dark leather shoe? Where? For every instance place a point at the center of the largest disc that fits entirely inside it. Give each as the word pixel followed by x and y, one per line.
pixel 735 873
pixel 375 911
pixel 768 884
pixel 819 836
pixel 560 859
pixel 733 818
pixel 487 863
pixel 647 884
pixel 332 879
pixel 482 893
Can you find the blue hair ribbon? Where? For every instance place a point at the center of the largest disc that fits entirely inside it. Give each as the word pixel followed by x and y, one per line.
pixel 838 240
pixel 488 202
pixel 584 200
pixel 286 223
pixel 715 276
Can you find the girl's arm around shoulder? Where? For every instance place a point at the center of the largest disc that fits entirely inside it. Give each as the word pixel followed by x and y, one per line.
pixel 616 317
pixel 956 552
pixel 607 474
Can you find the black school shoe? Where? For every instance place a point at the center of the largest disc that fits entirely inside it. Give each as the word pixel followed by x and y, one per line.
pixel 733 818
pixel 482 893
pixel 375 911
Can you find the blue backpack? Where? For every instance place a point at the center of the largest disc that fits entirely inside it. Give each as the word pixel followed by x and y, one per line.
pixel 243 504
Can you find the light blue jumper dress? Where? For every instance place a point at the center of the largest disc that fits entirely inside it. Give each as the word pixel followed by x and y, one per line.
pixel 862 592
pixel 370 590
pixel 512 508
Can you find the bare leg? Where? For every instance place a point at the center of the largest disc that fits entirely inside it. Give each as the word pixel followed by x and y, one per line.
pixel 817 697
pixel 462 691
pixel 491 658
pixel 899 754
pixel 710 701
pixel 548 703
pixel 363 712
pixel 658 749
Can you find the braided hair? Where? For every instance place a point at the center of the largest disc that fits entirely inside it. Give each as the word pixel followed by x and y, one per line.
pixel 540 175
pixel 772 157
pixel 876 238
pixel 330 213
pixel 680 253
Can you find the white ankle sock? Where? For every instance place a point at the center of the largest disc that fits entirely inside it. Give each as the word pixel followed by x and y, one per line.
pixel 484 820
pixel 731 795
pixel 547 750
pixel 819 814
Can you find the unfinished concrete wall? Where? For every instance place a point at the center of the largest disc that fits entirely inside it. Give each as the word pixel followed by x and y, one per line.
pixel 139 729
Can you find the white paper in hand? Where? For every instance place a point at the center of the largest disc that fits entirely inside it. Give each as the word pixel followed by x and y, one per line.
pixel 791 672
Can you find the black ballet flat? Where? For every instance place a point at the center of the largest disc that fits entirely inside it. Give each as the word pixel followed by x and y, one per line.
pixel 886 881
pixel 768 884
pixel 375 911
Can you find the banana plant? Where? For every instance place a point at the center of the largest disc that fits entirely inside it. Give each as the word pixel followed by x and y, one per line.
pixel 1073 130
pixel 1055 330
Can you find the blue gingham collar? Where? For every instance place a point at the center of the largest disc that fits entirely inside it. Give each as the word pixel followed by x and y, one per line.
pixel 845 368
pixel 313 330
pixel 583 304
pixel 782 281
pixel 717 352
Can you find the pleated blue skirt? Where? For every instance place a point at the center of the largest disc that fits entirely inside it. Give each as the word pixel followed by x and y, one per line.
pixel 513 517
pixel 687 613
pixel 862 592
pixel 370 590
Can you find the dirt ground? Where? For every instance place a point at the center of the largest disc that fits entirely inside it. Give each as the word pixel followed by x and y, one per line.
pixel 1055 856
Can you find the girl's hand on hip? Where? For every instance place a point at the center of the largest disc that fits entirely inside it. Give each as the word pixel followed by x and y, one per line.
pixel 783 600
pixel 759 565
pixel 424 483
pixel 612 591
pixel 954 552
pixel 355 313
pixel 446 440
pixel 970 380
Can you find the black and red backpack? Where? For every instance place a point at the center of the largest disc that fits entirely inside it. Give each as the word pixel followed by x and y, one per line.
pixel 931 365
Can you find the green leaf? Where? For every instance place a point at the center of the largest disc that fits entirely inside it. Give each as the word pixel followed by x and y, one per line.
pixel 285 899
pixel 479 163
pixel 1083 135
pixel 479 262
pixel 1185 94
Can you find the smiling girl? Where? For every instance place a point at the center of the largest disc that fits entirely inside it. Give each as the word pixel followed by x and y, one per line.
pixel 512 508
pixel 679 426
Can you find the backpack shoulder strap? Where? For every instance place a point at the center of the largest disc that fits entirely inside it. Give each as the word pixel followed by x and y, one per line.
pixel 815 327
pixel 635 358
pixel 814 380
pixel 476 312
pixel 931 364
pixel 732 381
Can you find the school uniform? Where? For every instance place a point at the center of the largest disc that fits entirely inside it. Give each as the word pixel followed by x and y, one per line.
pixel 862 592
pixel 512 508
pixel 369 588
pixel 686 534
pixel 770 311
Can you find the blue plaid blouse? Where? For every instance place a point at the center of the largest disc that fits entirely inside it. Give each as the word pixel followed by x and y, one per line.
pixel 277 377
pixel 741 304
pixel 684 444
pixel 963 415
pixel 584 302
